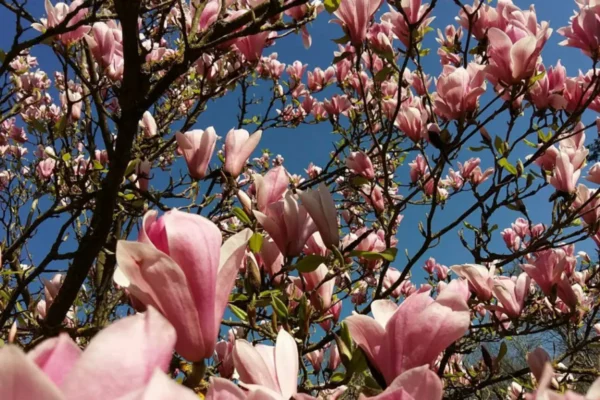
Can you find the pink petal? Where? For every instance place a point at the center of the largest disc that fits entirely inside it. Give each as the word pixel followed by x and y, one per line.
pixel 56 357
pixel 286 362
pixel 224 389
pixel 154 275
pixel 122 358
pixel 21 379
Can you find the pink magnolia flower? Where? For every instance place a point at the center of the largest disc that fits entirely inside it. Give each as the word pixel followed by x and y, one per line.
pixel 197 147
pixel 355 17
pixel 337 105
pixel 271 258
pixel 414 384
pixel 314 282
pixel 59 13
pixel 239 145
pixel 360 163
pixel 318 79
pixel 272 368
pixel 537 360
pixel 513 58
pixel 374 197
pixel 511 294
pixel 392 275
pixel 115 365
pixel 458 91
pixel 547 91
pixel 543 392
pixel 288 224
pixel 547 269
pixel 418 168
pixel 224 355
pixel 106 44
pixel 583 32
pixel 594 174
pixel 410 335
pixel 179 267
pixel 415 11
pixel 45 168
pixel 270 187
pixel 251 47
pixel 413 122
pixel 148 125
pixel 316 359
pixel 479 277
pixel 334 359
pixel 380 37
pixel 564 178
pixel 320 206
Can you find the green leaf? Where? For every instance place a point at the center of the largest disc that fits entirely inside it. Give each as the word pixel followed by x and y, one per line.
pixel 131 167
pixel 310 263
pixel 477 149
pixel 66 157
pixel 503 162
pixel 242 216
pixel 498 142
pixel 279 307
pixel 383 74
pixel 238 312
pixel 469 226
pixel 338 377
pixel 537 77
pixel 238 297
pixel 502 352
pixel 359 181
pixel 256 242
pixel 341 57
pixel 530 144
pixel 97 165
pixel 331 5
pixel 358 362
pixel 387 254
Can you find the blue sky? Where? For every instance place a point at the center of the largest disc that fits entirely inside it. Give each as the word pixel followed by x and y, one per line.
pixel 313 143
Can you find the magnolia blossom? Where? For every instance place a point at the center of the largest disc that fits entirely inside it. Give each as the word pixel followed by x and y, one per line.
pixel 320 206
pixel 60 12
pixel 239 145
pixel 288 224
pixel 410 335
pixel 197 147
pixel 458 91
pixel 479 277
pixel 414 384
pixel 511 294
pixel 355 16
pixel 179 267
pixel 115 365
pixel 272 370
pixel 360 164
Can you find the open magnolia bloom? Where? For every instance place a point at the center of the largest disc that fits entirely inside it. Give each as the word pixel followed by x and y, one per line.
pixel 413 334
pixel 179 267
pixel 124 361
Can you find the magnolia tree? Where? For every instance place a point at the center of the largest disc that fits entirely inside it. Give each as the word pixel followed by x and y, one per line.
pixel 138 264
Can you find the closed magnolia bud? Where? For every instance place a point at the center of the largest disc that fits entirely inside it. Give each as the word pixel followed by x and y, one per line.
pixel 245 201
pixel 485 135
pixel 12 334
pixel 253 272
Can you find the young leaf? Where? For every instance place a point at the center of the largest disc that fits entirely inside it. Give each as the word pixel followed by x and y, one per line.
pixel 310 263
